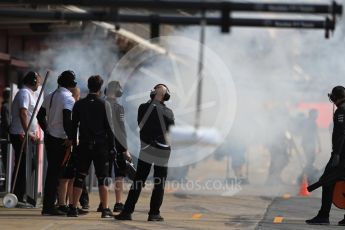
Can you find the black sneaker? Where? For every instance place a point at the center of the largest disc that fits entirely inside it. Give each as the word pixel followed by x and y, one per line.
pixel 73 212
pixel 80 211
pixel 100 207
pixel 123 216
pixel 155 218
pixel 63 208
pixel 85 206
pixel 106 213
pixel 52 212
pixel 118 207
pixel 342 222
pixel 317 220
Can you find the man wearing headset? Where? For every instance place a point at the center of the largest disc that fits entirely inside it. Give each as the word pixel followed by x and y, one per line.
pixel 337 158
pixel 55 120
pixel 154 120
pixel 22 109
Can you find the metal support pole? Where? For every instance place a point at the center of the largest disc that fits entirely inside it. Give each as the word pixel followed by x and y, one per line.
pixel 196 5
pixel 225 15
pixel 9 166
pixel 200 71
pixel 173 20
pixel 155 26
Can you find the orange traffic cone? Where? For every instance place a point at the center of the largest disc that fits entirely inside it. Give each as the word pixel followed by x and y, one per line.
pixel 303 191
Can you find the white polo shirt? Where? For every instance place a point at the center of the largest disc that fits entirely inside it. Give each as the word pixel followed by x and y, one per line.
pixel 25 98
pixel 62 99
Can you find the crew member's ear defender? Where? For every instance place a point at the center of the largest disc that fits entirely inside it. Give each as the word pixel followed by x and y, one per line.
pixel 67 79
pixel 30 78
pixel 338 92
pixel 114 88
pixel 166 95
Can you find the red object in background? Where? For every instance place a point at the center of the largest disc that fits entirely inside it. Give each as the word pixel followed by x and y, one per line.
pixel 303 191
pixel 338 195
pixel 325 110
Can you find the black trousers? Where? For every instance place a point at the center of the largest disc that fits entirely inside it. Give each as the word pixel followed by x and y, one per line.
pixel 327 193
pixel 326 200
pixel 20 186
pixel 160 160
pixel 55 149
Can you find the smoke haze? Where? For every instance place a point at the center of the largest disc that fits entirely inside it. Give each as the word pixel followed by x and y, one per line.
pixel 271 72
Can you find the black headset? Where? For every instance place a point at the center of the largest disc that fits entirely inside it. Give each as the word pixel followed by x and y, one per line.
pixel 30 78
pixel 67 79
pixel 338 92
pixel 166 95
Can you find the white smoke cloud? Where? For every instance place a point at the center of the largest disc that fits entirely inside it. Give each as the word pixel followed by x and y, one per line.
pixel 94 55
pixel 273 70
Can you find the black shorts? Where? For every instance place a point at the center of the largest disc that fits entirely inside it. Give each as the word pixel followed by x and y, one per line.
pixel 96 153
pixel 68 172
